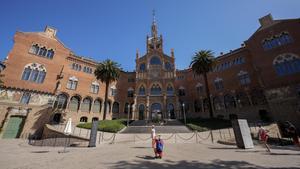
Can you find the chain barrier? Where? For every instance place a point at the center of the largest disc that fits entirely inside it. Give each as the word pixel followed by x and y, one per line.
pixel 108 138
pixel 143 139
pixel 186 139
pixel 169 137
pixel 205 138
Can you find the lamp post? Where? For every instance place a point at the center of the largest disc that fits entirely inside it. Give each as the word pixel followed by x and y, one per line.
pixel 184 113
pixel 128 111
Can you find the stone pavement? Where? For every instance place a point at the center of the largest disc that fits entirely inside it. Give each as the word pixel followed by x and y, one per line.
pixel 18 154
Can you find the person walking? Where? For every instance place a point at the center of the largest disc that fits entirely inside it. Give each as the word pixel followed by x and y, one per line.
pixel 159 145
pixel 263 136
pixel 153 137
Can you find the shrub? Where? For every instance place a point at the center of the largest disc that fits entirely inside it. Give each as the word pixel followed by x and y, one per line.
pixel 112 126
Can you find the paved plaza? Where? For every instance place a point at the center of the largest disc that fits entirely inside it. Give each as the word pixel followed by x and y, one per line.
pixel 18 154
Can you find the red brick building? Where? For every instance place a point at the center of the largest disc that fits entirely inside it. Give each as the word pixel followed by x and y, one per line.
pixel 45 82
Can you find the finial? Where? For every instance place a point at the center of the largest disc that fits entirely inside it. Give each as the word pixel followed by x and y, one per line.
pixel 172 52
pixel 137 53
pixel 153 15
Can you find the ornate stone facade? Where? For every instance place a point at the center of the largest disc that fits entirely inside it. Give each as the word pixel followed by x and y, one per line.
pixel 257 81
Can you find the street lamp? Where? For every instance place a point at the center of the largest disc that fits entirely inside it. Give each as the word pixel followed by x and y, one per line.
pixel 184 113
pixel 128 111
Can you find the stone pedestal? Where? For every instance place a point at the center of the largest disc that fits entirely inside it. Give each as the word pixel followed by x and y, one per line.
pixel 242 133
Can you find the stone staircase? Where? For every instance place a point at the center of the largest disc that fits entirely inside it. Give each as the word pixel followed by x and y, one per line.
pixel 170 126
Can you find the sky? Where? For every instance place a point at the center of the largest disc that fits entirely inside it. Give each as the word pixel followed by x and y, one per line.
pixel 115 29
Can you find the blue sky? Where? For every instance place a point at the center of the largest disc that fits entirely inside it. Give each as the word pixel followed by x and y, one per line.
pixel 116 28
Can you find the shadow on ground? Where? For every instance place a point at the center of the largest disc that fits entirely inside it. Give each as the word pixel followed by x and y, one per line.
pixel 162 164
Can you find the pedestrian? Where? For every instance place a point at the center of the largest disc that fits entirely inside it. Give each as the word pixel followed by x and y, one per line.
pixel 263 136
pixel 159 144
pixel 153 137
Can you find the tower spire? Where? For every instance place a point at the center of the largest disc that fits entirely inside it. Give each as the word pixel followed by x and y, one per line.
pixel 154 26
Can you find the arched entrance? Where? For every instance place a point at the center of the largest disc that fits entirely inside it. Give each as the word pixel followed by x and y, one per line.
pixel 141 112
pixel 156 111
pixel 56 118
pixel 171 113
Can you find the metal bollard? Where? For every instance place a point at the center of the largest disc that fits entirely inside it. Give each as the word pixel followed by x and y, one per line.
pixel 212 136
pixel 229 132
pixel 220 133
pixel 196 137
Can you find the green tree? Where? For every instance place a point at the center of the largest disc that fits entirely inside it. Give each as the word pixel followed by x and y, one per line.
pixel 107 72
pixel 202 63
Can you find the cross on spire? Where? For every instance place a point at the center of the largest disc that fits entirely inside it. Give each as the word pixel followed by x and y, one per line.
pixel 154 26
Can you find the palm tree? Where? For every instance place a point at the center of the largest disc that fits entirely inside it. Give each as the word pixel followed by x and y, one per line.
pixel 107 72
pixel 203 62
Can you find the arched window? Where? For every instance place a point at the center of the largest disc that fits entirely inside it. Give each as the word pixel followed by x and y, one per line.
pixel 74 103
pixel 94 87
pixel 83 119
pixel 242 99
pixel 142 67
pixel 61 101
pixel 168 66
pixel 287 64
pixel 155 61
pixel 95 119
pixel 130 92
pixel 43 51
pixel 34 49
pixel 258 97
pixel 72 83
pixel 50 54
pixel 218 84
pixel 218 104
pixel 86 105
pixel 229 101
pixel 34 72
pixel 199 88
pixel 25 98
pixel 206 104
pixel 197 106
pixel 113 91
pixel 115 108
pixel 170 90
pixel 26 73
pixel 97 106
pixel 142 90
pixel 181 91
pixel 244 78
pixel 155 89
pixel 126 108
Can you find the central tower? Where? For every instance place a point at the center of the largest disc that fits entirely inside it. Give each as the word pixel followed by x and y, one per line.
pixel 155 77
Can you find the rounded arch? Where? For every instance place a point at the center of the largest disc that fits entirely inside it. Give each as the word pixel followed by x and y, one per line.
pixel 242 99
pixel 74 103
pixel 229 101
pixel 155 60
pixel 83 119
pixel 285 57
pixel 258 97
pixel 97 105
pixel 61 101
pixel 170 89
pixel 286 64
pixel 218 104
pixel 86 104
pixel 155 89
pixel 115 108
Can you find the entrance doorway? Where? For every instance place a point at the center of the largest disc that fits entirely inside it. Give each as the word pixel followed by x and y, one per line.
pixel 156 111
pixel 171 112
pixel 56 118
pixel 141 112
pixel 14 127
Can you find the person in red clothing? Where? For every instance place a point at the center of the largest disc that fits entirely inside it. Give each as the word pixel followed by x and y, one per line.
pixel 159 144
pixel 263 136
